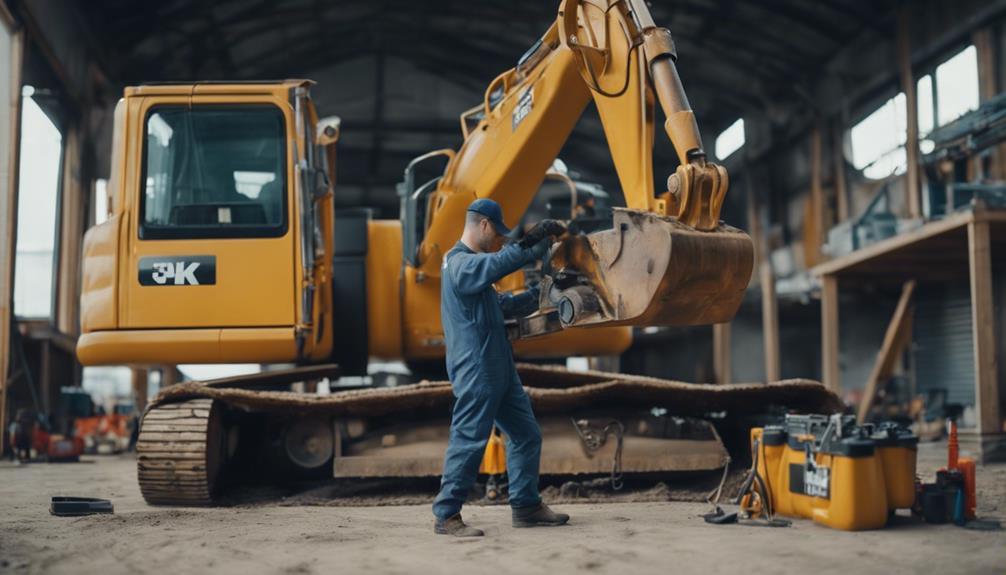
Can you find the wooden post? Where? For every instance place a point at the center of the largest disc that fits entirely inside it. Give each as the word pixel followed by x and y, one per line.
pixel 830 373
pixel 912 108
pixel 988 88
pixel 138 375
pixel 769 320
pixel 169 376
pixel 721 352
pixel 838 155
pixel 8 201
pixel 71 224
pixel 813 225
pixel 766 282
pixel 983 330
pixel 899 333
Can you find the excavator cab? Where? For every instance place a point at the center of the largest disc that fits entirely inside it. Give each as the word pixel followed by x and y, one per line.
pixel 221 219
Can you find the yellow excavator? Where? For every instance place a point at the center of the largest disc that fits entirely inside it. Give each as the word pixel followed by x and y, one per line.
pixel 223 246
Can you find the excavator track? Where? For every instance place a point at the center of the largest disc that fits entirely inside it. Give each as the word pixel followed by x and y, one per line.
pixel 180 452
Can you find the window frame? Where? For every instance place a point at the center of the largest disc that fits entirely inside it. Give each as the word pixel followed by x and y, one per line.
pixel 148 232
pixel 58 118
pixel 918 73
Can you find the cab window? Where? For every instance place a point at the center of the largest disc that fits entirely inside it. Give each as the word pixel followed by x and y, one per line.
pixel 214 172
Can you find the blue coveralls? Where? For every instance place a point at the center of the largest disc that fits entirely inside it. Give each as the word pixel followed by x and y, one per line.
pixel 483 377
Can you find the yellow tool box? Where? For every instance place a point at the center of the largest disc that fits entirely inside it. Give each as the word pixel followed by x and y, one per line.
pixel 831 470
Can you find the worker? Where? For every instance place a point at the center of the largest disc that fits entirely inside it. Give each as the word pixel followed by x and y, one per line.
pixel 481 368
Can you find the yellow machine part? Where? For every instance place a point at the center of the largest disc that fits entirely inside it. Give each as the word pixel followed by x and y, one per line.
pixel 494 458
pixel 229 320
pixel 862 490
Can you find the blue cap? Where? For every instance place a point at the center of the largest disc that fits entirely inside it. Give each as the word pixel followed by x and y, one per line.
pixel 491 210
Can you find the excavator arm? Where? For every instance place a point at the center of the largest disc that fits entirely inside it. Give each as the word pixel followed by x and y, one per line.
pixel 667 259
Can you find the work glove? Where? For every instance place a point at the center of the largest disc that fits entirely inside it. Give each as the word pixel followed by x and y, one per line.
pixel 540 249
pixel 540 231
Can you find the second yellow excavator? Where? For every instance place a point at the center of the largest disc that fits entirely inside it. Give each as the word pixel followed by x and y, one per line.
pixel 223 246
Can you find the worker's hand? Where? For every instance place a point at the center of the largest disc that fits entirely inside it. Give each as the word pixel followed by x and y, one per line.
pixel 540 249
pixel 540 231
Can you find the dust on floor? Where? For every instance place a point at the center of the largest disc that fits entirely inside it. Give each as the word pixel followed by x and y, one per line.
pixel 280 535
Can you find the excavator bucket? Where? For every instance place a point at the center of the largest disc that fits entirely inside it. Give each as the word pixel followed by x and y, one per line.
pixel 647 270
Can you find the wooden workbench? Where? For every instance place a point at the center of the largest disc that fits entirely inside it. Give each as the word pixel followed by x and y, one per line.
pixel 954 248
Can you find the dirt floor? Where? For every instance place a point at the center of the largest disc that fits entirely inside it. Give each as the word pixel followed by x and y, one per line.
pixel 301 534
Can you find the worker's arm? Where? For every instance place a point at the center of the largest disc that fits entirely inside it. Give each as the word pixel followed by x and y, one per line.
pixel 473 273
pixel 520 305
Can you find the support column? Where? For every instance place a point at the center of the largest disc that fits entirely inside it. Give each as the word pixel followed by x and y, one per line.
pixel 72 224
pixel 841 193
pixel 769 320
pixel 721 353
pixel 988 88
pixel 990 434
pixel 169 376
pixel 830 372
pixel 11 57
pixel 814 228
pixel 766 281
pixel 913 199
pixel 138 376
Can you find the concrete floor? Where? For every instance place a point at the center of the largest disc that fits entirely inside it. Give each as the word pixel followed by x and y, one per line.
pixel 272 537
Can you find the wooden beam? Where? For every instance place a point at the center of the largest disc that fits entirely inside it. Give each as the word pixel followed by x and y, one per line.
pixel 838 155
pixel 983 330
pixel 769 320
pixel 71 222
pixel 988 88
pixel 721 353
pixel 138 376
pixel 169 376
pixel 766 282
pixel 813 230
pixel 900 241
pixel 830 372
pixel 8 208
pixel 913 199
pixel 899 333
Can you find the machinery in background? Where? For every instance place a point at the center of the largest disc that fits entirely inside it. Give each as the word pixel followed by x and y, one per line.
pixel 53 437
pixel 952 185
pixel 107 433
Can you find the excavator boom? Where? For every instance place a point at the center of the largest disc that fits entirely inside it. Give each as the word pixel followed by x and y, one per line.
pixel 667 259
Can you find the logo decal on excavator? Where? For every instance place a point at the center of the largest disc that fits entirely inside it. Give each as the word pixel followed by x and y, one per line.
pixel 523 108
pixel 178 271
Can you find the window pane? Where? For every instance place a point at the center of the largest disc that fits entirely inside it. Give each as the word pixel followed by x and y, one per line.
pixel 730 140
pixel 924 97
pixel 957 85
pixel 38 190
pixel 878 137
pixel 215 172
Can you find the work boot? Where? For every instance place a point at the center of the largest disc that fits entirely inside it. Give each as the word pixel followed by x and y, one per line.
pixel 455 525
pixel 537 515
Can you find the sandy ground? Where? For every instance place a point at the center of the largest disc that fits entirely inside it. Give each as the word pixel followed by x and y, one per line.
pixel 277 536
